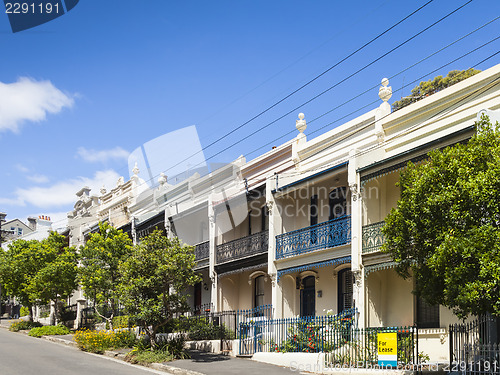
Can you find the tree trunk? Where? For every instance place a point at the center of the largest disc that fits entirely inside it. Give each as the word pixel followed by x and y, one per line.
pixel 53 316
pixel 30 315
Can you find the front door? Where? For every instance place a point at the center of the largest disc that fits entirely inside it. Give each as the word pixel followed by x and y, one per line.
pixel 308 297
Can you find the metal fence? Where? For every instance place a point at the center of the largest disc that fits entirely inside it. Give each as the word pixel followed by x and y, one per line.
pixel 474 347
pixel 335 335
pixel 325 235
pixel 306 334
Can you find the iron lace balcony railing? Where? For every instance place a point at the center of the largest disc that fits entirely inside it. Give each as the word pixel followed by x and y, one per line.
pixel 373 238
pixel 242 247
pixel 325 235
pixel 202 251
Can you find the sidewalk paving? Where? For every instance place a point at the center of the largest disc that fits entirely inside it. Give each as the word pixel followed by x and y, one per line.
pixel 218 364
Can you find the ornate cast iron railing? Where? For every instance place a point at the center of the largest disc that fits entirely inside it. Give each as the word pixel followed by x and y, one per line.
pixel 325 235
pixel 373 238
pixel 243 247
pixel 202 250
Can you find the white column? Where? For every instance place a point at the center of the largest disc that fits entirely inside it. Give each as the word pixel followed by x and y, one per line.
pixel 356 234
pixel 211 239
pixel 274 229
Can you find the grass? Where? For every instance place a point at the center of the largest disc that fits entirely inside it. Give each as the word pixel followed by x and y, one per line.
pixel 48 330
pixel 147 356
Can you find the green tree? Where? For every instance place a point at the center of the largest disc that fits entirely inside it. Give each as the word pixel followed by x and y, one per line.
pixel 445 229
pixel 58 278
pixel 153 280
pixel 98 274
pixel 426 88
pixel 19 264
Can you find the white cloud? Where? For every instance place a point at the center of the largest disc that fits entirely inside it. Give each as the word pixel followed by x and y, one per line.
pixel 61 193
pixel 29 100
pixel 38 178
pixel 22 168
pixel 93 156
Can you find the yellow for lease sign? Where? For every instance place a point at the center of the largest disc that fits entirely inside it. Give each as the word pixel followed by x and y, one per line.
pixel 387 344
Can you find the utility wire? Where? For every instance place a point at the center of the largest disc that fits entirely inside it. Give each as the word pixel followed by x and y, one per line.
pixel 330 88
pixel 393 76
pixel 309 82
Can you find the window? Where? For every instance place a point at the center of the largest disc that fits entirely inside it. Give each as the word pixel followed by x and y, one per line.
pixel 264 218
pixel 337 202
pixel 313 211
pixel 427 314
pixel 19 231
pixel 259 291
pixel 344 290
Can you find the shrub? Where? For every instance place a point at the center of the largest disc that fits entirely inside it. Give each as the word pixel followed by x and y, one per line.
pixel 23 325
pixel 24 311
pixel 174 346
pixel 120 322
pixel 166 351
pixel 197 328
pixel 48 330
pixel 99 341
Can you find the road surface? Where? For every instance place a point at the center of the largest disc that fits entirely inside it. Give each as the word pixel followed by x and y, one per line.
pixel 24 355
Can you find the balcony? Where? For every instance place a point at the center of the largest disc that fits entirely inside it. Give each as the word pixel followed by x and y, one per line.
pixel 325 235
pixel 202 254
pixel 373 238
pixel 242 248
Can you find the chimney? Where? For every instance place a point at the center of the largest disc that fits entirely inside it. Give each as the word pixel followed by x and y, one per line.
pixel 32 223
pixel 2 217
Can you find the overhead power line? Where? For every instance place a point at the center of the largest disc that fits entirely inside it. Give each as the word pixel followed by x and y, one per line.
pixel 308 83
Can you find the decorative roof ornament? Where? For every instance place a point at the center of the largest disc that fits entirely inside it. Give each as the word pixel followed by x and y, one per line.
pixel 300 124
pixel 120 181
pixel 385 92
pixel 135 170
pixel 162 180
pixel 103 190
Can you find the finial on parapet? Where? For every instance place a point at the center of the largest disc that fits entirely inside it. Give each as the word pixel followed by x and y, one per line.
pixel 135 170
pixel 300 124
pixel 385 92
pixel 162 180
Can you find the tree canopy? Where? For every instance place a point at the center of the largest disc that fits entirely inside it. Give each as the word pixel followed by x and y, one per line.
pixel 154 279
pixel 37 271
pixel 99 274
pixel 426 88
pixel 445 229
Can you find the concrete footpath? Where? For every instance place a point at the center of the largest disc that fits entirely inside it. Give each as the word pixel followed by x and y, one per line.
pixel 200 363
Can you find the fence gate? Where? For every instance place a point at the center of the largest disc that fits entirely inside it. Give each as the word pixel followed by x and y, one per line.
pixel 250 338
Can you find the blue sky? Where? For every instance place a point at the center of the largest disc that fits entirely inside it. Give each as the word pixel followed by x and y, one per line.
pixel 82 91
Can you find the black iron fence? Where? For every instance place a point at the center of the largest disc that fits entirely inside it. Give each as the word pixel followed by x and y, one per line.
pixel 335 335
pixel 474 346
pixel 68 313
pixel 242 247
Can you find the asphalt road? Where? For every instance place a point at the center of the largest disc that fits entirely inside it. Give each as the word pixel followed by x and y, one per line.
pixel 24 355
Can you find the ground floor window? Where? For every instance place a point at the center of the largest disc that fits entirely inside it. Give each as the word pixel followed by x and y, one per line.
pixel 427 314
pixel 259 291
pixel 344 290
